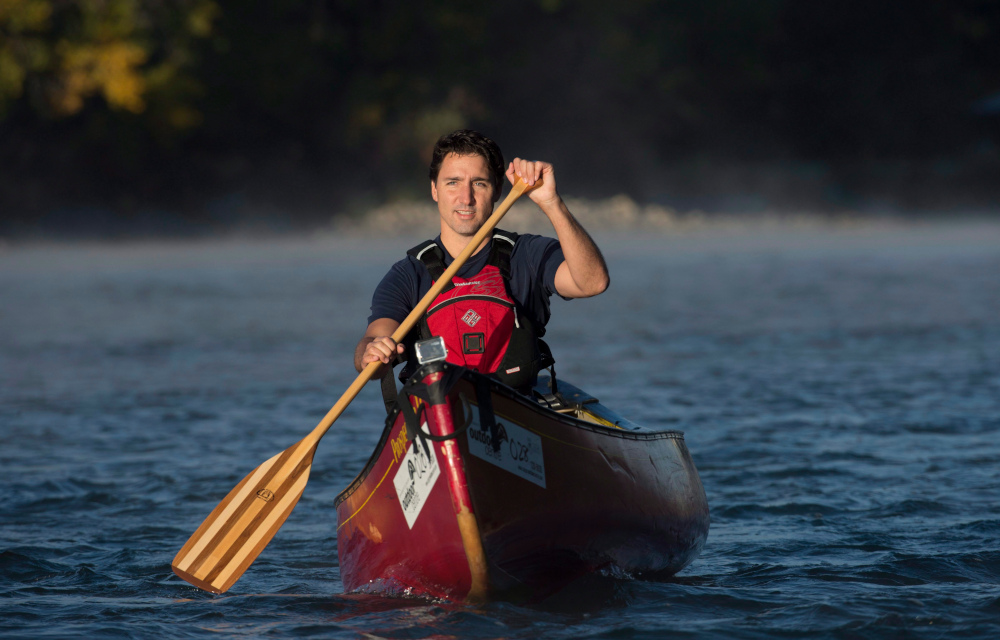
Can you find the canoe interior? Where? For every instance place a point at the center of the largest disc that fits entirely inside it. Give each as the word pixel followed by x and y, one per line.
pixel 574 402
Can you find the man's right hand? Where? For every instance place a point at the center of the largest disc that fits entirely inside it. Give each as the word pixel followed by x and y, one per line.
pixel 381 348
pixel 377 345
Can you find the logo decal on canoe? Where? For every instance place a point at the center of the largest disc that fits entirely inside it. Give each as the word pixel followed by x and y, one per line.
pixel 266 495
pixel 471 318
pixel 516 449
pixel 415 478
pixel 399 444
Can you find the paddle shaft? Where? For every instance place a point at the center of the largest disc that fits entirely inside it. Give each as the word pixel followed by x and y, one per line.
pixel 418 311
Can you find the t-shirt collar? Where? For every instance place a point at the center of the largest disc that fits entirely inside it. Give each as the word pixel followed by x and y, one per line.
pixel 474 259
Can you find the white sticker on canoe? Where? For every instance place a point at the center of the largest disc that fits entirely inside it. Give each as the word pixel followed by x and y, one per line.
pixel 415 479
pixel 517 450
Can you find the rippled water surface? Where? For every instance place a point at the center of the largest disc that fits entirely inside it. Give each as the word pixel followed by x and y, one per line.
pixel 839 390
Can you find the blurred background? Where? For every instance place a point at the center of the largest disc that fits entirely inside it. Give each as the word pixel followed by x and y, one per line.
pixel 123 118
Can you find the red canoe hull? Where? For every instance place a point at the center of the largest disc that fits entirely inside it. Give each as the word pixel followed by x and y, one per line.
pixel 515 500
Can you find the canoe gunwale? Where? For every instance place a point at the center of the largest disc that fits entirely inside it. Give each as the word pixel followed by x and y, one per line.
pixel 498 387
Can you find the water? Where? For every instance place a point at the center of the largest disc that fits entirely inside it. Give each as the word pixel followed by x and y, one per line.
pixel 839 388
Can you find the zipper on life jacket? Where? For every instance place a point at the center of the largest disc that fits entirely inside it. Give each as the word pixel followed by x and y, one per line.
pixel 501 301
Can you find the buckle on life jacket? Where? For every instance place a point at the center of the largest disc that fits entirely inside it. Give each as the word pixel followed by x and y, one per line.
pixel 474 343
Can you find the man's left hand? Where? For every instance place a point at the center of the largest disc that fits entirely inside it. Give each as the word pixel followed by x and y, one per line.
pixel 531 171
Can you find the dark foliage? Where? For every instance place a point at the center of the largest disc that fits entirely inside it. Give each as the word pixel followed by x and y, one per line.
pixel 308 106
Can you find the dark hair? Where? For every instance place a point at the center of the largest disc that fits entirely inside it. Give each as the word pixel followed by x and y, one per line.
pixel 466 142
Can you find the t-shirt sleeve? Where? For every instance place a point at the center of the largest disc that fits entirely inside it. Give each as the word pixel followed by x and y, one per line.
pixel 544 255
pixel 397 294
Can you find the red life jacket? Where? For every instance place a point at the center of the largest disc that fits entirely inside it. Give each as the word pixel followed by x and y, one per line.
pixel 483 326
pixel 475 316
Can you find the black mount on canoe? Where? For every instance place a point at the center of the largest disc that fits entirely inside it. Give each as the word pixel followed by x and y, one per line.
pixel 552 399
pixel 435 393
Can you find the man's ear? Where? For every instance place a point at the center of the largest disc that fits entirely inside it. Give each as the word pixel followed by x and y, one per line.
pixel 434 190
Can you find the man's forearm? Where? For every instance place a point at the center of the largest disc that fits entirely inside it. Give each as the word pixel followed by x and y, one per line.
pixel 584 262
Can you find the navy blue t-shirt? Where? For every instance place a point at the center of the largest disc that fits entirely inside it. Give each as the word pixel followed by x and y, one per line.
pixel 533 264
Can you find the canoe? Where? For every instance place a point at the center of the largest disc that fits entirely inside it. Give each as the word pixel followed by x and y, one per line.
pixel 477 492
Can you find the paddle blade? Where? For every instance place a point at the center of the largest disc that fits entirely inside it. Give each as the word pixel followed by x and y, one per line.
pixel 235 533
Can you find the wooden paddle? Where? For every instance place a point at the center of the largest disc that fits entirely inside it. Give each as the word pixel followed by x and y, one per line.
pixel 239 528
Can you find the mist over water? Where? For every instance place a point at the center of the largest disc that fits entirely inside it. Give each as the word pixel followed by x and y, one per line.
pixel 839 388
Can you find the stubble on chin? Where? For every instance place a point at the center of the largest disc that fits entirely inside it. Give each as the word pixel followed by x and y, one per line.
pixel 465 227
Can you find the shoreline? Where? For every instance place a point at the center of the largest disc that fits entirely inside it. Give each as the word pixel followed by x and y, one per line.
pixel 401 221
pixel 623 214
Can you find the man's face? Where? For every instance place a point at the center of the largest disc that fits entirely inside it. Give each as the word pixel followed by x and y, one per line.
pixel 464 193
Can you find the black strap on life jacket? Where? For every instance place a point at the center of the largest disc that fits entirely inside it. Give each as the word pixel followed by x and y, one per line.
pixel 503 246
pixel 430 254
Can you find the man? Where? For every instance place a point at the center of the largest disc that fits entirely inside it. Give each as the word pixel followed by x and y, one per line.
pixel 486 326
